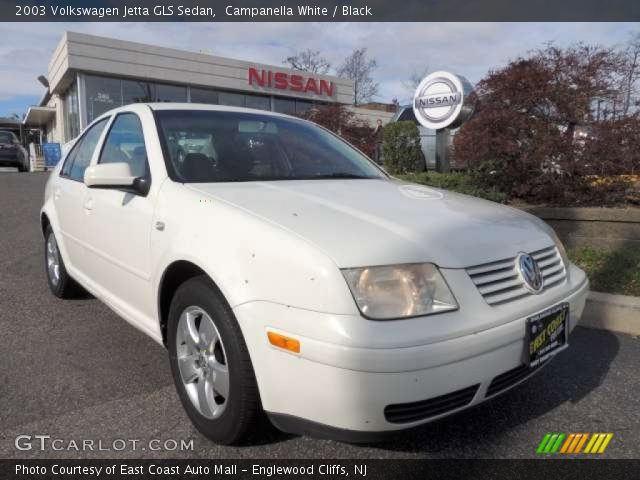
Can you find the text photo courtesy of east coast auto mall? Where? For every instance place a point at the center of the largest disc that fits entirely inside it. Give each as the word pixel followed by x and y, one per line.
pixel 321 239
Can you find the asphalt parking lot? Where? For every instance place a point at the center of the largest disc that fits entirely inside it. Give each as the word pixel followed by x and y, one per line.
pixel 73 370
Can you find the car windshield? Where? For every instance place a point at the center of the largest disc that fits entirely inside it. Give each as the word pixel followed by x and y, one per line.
pixel 6 137
pixel 216 146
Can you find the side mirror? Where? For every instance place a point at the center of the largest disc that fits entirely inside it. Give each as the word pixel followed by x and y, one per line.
pixel 115 176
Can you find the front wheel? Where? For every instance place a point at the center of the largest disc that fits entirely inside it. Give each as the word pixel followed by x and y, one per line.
pixel 210 363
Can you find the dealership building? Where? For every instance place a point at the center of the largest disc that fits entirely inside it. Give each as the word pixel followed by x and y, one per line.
pixel 89 75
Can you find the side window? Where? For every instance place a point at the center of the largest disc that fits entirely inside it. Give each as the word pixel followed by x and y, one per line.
pixel 66 168
pixel 125 143
pixel 80 157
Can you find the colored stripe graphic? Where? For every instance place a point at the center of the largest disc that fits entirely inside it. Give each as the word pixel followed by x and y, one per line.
pixel 567 442
pixel 592 440
pixel 573 442
pixel 570 443
pixel 581 443
pixel 598 442
pixel 555 447
pixel 607 439
pixel 543 443
pixel 551 443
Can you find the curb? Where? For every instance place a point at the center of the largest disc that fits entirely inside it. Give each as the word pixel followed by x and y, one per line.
pixel 617 313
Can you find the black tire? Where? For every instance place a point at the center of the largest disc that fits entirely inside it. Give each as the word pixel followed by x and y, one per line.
pixel 23 162
pixel 242 409
pixel 65 287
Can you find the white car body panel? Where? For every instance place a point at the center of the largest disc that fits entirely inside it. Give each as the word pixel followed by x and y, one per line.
pixel 275 249
pixel 383 222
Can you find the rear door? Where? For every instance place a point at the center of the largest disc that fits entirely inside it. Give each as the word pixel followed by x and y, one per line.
pixel 69 193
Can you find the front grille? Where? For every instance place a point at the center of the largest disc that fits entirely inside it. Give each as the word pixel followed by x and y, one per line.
pixel 412 412
pixel 498 282
pixel 510 378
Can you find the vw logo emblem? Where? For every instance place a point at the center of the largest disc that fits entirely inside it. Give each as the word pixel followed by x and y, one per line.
pixel 529 273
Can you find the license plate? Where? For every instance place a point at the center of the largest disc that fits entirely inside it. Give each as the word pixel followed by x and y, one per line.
pixel 546 334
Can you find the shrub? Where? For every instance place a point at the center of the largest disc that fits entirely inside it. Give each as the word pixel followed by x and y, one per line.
pixel 401 148
pixel 533 135
pixel 344 123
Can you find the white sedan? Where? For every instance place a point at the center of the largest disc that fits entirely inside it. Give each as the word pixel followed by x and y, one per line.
pixel 286 273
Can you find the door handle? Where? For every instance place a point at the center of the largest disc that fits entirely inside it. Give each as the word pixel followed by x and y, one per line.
pixel 56 194
pixel 88 204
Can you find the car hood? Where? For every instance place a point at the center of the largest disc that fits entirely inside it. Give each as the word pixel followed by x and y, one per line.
pixel 382 222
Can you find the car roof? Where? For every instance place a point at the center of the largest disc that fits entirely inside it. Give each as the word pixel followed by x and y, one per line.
pixel 136 107
pixel 213 108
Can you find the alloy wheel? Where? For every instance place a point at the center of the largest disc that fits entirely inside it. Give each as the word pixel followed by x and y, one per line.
pixel 53 260
pixel 202 362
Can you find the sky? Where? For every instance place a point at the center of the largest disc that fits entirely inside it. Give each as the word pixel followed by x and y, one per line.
pixel 400 49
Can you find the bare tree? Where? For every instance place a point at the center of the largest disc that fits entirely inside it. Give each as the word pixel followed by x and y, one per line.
pixel 359 68
pixel 630 71
pixel 414 80
pixel 308 61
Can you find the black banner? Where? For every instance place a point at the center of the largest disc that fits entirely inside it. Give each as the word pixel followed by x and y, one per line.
pixel 327 469
pixel 318 11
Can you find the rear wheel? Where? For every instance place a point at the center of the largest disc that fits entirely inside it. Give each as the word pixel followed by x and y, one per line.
pixel 210 363
pixel 60 283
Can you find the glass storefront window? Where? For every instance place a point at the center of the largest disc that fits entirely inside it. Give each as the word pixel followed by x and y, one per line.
pixel 170 93
pixel 303 106
pixel 284 105
pixel 232 99
pixel 103 94
pixel 71 113
pixel 201 95
pixel 134 91
pixel 260 102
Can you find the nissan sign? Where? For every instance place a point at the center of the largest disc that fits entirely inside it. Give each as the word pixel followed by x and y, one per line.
pixel 290 81
pixel 443 100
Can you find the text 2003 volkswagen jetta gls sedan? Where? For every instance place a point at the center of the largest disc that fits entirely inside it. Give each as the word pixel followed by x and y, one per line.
pixel 285 271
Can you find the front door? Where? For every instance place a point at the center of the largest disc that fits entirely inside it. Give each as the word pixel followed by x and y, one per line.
pixel 119 225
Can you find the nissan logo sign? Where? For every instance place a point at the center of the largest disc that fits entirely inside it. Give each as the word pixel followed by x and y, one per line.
pixel 443 100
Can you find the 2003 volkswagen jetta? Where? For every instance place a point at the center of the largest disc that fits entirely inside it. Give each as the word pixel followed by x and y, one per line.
pixel 286 272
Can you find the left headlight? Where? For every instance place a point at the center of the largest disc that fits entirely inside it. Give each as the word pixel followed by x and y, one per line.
pixel 399 291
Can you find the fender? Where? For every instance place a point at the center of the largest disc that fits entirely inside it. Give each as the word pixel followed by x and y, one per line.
pixel 236 249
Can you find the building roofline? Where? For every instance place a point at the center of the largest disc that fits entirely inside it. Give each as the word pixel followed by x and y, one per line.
pixel 97 40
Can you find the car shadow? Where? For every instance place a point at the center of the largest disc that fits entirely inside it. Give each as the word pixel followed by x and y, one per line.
pixel 571 376
pixel 80 295
pixel 265 434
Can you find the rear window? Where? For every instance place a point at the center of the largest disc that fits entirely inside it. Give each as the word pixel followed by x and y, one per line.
pixel 213 146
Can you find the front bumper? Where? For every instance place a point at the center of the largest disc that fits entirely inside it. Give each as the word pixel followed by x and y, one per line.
pixel 345 383
pixel 9 158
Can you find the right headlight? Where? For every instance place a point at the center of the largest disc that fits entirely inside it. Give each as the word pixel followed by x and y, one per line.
pixel 399 291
